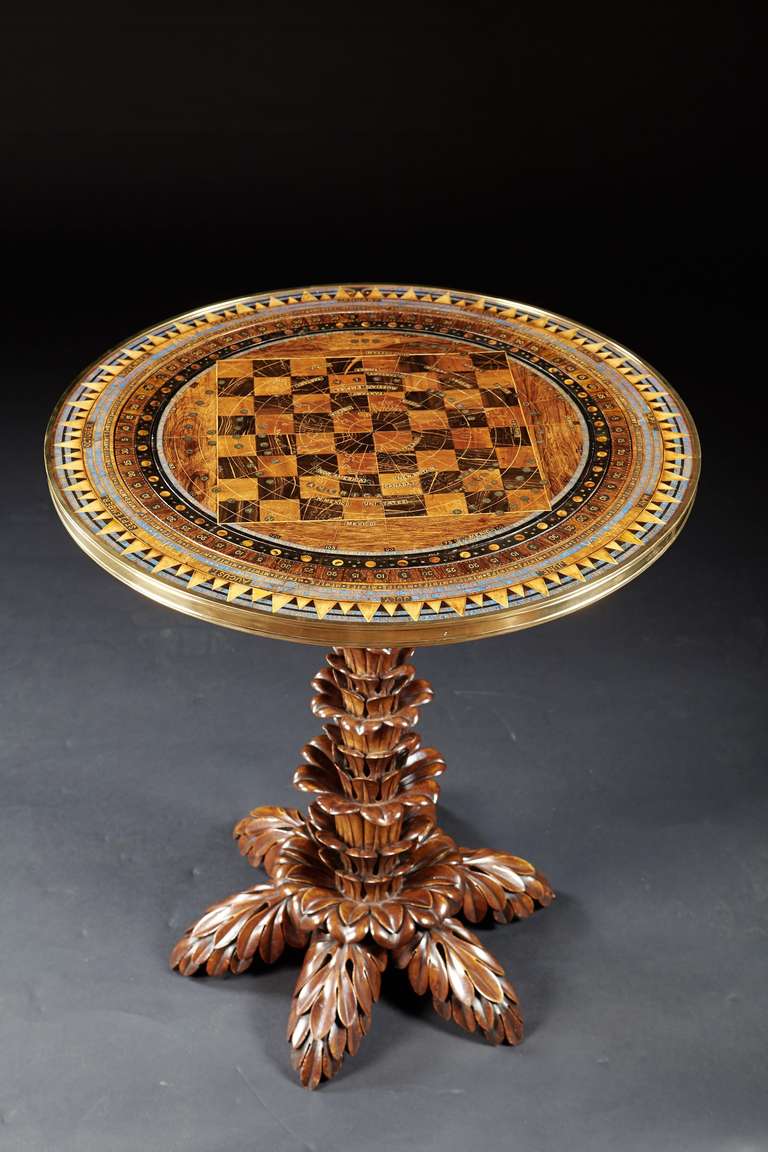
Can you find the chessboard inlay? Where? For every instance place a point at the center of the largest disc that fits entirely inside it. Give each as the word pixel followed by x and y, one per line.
pixel 373 436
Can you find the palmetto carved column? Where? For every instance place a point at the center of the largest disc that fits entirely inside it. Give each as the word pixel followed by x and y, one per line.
pixel 367 876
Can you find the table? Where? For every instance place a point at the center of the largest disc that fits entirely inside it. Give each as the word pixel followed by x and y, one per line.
pixel 371 468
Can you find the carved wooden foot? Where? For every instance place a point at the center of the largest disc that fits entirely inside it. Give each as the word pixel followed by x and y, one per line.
pixel 503 884
pixel 365 872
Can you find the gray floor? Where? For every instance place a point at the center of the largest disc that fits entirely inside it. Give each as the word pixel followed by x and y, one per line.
pixel 620 749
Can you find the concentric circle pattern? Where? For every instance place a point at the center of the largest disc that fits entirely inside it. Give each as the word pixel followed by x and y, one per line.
pixel 372 464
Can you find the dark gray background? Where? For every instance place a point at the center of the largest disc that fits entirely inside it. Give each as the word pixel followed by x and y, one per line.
pixel 598 165
pixel 619 748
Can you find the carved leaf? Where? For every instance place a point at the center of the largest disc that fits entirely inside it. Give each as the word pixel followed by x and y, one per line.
pixel 300 864
pixel 261 834
pixel 331 1010
pixel 318 773
pixel 422 767
pixel 229 935
pixel 466 982
pixel 506 885
pixel 436 870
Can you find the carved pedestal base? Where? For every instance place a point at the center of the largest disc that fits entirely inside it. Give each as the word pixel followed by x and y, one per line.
pixel 367 875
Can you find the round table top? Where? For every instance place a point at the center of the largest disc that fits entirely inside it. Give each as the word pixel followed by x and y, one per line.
pixel 372 465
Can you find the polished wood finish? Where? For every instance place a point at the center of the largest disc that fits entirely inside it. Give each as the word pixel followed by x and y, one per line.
pixel 367 877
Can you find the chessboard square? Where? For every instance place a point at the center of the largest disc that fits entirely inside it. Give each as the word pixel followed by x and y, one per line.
pixel 428 418
pixel 274 424
pixel 500 398
pixel 236 445
pixel 234 386
pixel 445 504
pixel 309 443
pixel 238 487
pixel 482 480
pixel 278 488
pixel 277 465
pixel 271 366
pixel 309 422
pixel 509 437
pixel 421 381
pixel 495 378
pixel 237 467
pixel 487 500
pixel 304 384
pixel 237 511
pixel 233 369
pixel 271 386
pixel 422 399
pixel 235 405
pixel 503 417
pixel 527 499
pixel 355 398
pixel 357 462
pixel 363 508
pixel 338 363
pixel 386 401
pixel 469 438
pixel 352 422
pixel 396 462
pixel 382 378
pixel 484 361
pixel 311 402
pixel 415 361
pixel 346 381
pixel 311 487
pixel 274 445
pixel 320 509
pixel 278 510
pixel 448 481
pixel 313 365
pixel 461 399
pixel 476 459
pixel 466 418
pixel 439 460
pixel 236 425
pixel 517 456
pixel 366 484
pixel 317 464
pixel 404 506
pixel 436 440
pixel 393 441
pixel 390 421
pixel 353 441
pixel 396 484
pixel 269 403
pixel 463 381
pixel 453 362
pixel 513 478
pixel 380 364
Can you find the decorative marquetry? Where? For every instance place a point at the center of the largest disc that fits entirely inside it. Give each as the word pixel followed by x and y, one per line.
pixel 372 464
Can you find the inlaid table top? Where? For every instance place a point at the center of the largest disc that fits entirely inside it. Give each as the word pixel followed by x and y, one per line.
pixel 372 465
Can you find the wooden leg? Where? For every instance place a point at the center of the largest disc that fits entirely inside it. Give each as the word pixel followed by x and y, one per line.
pixel 367 872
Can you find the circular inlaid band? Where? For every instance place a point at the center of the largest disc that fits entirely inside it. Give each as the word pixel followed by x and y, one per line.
pixel 372 464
